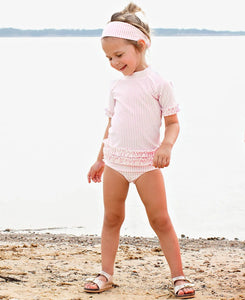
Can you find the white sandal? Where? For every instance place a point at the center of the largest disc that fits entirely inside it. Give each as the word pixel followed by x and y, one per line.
pixel 177 288
pixel 102 285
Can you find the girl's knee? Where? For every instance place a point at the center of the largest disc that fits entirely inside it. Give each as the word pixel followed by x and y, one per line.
pixel 161 223
pixel 113 220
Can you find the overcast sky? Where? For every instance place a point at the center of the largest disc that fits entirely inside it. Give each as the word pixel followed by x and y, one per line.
pixel 77 14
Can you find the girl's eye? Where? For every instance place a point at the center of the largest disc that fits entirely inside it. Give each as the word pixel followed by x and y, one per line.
pixel 118 55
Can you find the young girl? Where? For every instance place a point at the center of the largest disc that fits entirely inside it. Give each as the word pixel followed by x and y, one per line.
pixel 131 150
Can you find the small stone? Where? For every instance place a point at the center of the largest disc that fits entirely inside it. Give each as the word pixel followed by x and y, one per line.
pixel 157 249
pixel 200 271
pixel 134 273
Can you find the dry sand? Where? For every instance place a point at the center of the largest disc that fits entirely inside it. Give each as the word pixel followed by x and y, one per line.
pixel 47 266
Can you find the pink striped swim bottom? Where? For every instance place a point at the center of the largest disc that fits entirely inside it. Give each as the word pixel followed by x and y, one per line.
pixel 132 173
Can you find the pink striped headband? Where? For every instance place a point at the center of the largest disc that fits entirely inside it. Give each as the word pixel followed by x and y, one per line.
pixel 125 30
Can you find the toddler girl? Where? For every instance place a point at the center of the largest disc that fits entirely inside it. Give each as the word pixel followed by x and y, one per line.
pixel 131 150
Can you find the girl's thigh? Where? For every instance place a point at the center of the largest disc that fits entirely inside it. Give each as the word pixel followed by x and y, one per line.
pixel 115 190
pixel 151 189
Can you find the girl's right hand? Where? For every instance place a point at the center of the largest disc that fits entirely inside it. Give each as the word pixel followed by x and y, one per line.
pixel 96 171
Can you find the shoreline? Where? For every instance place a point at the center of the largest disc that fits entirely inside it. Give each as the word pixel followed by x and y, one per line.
pixel 9 235
pixel 55 266
pixel 77 231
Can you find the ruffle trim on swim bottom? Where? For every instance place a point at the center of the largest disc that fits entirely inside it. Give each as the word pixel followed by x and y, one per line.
pixel 123 156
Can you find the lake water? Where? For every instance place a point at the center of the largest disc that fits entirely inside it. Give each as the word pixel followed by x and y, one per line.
pixel 52 98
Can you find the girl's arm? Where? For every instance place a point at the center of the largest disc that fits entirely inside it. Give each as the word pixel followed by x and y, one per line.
pixel 162 155
pixel 97 168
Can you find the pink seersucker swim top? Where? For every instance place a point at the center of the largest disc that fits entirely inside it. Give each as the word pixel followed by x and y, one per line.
pixel 136 106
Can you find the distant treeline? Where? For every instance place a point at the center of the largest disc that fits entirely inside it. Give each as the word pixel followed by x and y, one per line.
pixel 14 32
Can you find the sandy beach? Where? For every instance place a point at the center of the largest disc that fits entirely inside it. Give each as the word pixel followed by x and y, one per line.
pixel 47 266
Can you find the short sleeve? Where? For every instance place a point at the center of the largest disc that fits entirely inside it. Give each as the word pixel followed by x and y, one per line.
pixel 167 99
pixel 109 110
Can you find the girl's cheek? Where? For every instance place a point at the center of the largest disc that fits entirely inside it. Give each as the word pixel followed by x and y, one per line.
pixel 113 65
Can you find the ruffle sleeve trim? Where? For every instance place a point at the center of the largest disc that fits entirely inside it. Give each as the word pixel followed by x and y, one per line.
pixel 168 111
pixel 108 113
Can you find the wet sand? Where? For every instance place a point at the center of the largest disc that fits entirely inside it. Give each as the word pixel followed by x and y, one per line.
pixel 47 266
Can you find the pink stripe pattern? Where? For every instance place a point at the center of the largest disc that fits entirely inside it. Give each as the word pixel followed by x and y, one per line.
pixel 128 157
pixel 125 31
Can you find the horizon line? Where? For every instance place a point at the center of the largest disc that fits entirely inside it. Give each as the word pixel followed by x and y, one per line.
pixel 100 28
pixel 53 32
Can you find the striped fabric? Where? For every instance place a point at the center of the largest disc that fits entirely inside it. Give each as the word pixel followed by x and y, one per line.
pixel 125 31
pixel 136 106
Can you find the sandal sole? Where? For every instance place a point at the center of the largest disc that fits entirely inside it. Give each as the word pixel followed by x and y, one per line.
pixel 98 290
pixel 185 296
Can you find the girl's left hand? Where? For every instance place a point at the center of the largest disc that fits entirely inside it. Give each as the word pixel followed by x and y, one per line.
pixel 162 156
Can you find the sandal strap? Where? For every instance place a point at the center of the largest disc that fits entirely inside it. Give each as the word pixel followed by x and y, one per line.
pixel 180 278
pixel 177 288
pixel 100 283
pixel 106 275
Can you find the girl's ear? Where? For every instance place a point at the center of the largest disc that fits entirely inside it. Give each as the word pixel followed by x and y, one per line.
pixel 141 45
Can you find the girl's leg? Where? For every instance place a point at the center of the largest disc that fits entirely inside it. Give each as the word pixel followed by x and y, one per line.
pixel 115 189
pixel 151 189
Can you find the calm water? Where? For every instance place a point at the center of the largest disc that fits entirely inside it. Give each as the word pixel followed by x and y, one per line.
pixel 52 98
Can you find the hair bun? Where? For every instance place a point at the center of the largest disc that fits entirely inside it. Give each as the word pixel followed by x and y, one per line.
pixel 131 8
pixel 133 15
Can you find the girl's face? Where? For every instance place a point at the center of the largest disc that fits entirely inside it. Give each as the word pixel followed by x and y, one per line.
pixel 123 56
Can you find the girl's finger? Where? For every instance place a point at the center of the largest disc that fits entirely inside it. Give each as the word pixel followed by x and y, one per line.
pixel 89 176
pixel 160 162
pixel 155 162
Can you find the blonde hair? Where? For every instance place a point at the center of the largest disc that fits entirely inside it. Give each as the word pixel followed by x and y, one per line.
pixel 128 15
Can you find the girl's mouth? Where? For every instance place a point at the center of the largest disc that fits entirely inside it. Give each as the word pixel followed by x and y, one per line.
pixel 123 68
